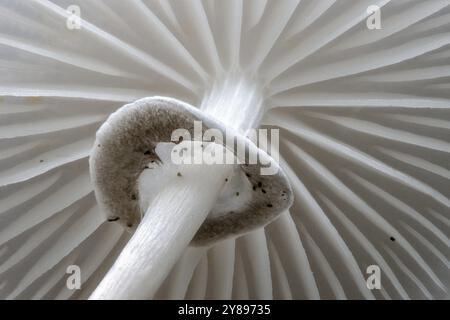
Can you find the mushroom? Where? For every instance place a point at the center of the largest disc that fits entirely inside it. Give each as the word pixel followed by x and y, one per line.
pixel 128 140
pixel 364 142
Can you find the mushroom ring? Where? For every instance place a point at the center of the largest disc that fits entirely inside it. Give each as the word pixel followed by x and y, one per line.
pixel 127 142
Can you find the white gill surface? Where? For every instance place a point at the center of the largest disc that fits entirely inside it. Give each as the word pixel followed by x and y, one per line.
pixel 365 133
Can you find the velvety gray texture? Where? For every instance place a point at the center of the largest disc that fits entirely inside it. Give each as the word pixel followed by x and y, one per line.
pixel 126 142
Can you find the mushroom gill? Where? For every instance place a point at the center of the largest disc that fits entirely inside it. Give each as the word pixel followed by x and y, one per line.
pixel 364 119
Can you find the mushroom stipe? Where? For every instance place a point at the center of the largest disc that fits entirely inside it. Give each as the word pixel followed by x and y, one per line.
pixel 129 138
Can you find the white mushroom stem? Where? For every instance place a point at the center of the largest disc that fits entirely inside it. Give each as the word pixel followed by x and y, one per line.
pixel 175 215
pixel 168 226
